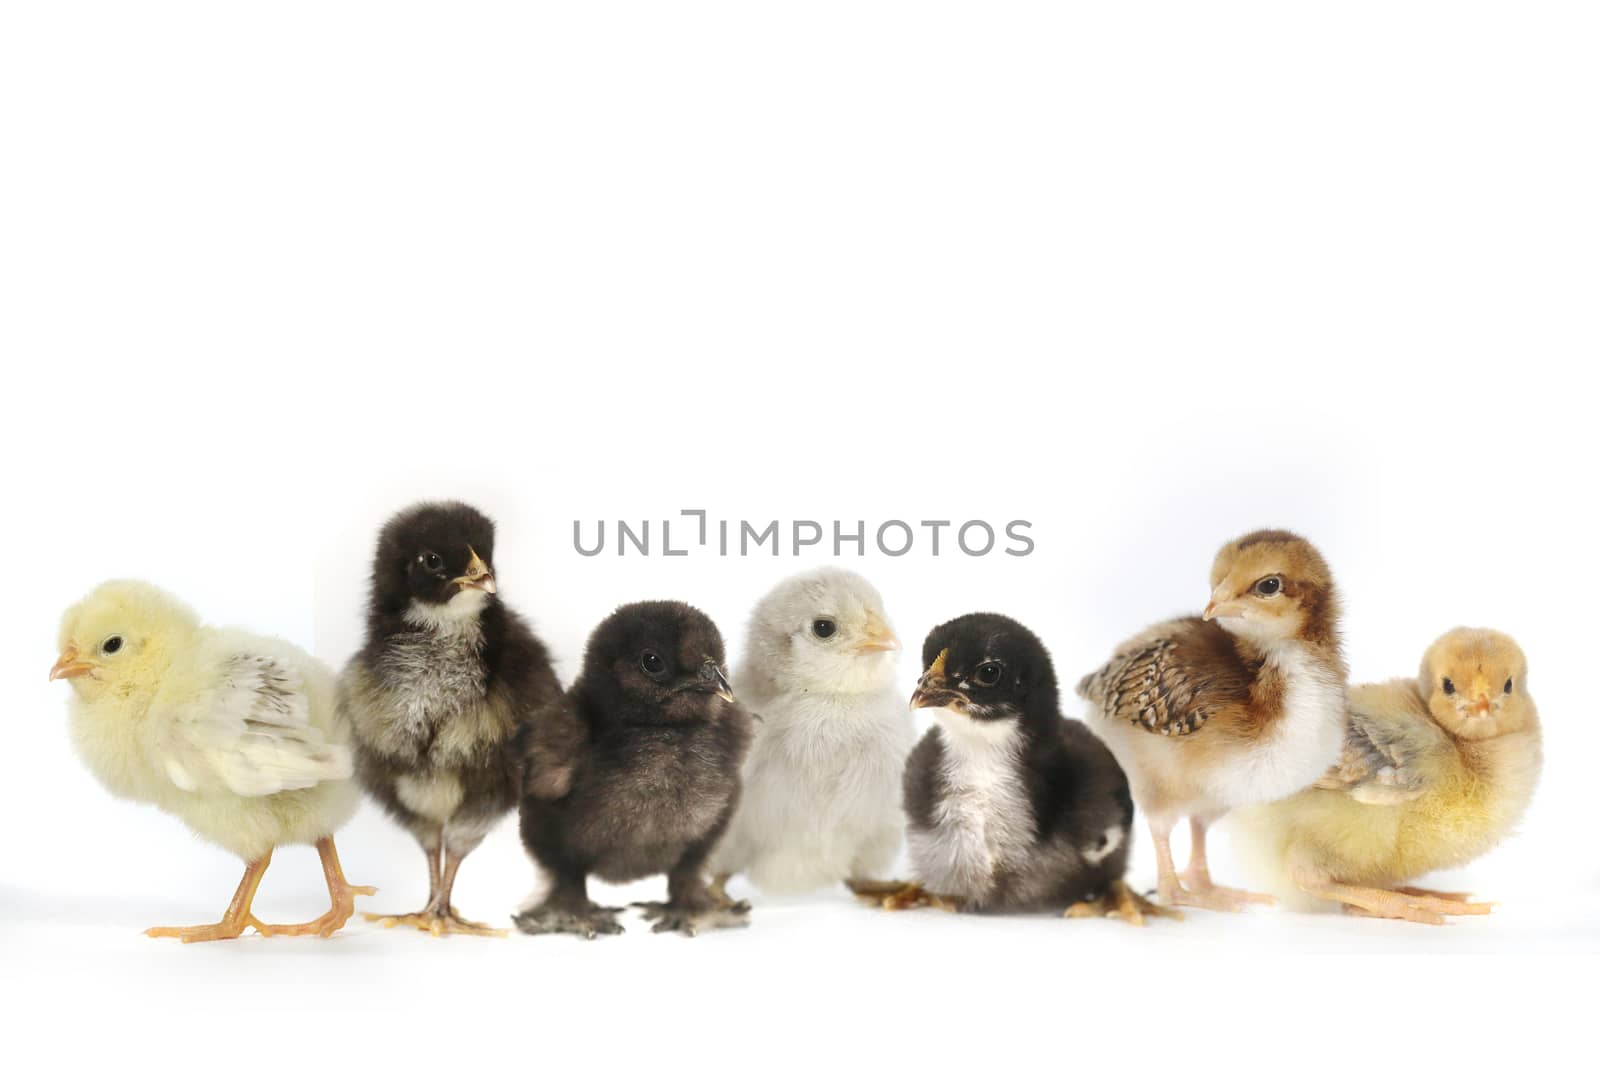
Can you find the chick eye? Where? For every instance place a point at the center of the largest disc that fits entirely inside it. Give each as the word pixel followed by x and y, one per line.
pixel 1448 686
pixel 1269 586
pixel 651 663
pixel 1508 685
pixel 824 628
pixel 113 644
pixel 431 561
pixel 988 673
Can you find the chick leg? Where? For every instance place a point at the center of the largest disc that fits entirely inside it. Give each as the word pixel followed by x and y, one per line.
pixel 900 896
pixel 234 921
pixel 719 891
pixel 341 895
pixel 1120 902
pixel 1197 877
pixel 1200 892
pixel 445 919
pixel 432 842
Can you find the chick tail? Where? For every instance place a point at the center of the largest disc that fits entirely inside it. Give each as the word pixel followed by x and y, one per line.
pixel 1092 687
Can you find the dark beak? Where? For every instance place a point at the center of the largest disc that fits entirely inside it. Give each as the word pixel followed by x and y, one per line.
pixel 712 680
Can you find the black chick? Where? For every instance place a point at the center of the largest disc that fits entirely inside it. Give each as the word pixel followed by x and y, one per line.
pixel 636 774
pixel 1010 806
pixel 436 696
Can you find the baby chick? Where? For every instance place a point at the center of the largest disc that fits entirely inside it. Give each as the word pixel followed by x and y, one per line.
pixel 232 732
pixel 447 676
pixel 1242 705
pixel 1011 806
pixel 821 798
pixel 637 774
pixel 1435 772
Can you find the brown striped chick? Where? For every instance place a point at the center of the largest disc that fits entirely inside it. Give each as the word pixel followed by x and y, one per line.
pixel 1242 705
pixel 1436 771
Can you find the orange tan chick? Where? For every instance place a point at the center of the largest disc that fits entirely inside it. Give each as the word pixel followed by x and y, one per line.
pixel 1241 705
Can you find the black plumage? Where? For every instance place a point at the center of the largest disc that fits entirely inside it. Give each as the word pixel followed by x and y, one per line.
pixel 1010 806
pixel 636 773
pixel 436 696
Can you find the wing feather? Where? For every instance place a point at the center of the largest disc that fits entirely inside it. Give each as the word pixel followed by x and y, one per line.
pixel 1387 748
pixel 1163 682
pixel 251 734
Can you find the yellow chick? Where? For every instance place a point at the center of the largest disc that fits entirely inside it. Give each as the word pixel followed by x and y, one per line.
pixel 232 732
pixel 1435 772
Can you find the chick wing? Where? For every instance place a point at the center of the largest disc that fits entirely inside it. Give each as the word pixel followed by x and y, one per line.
pixel 549 745
pixel 244 725
pixel 1390 747
pixel 1170 679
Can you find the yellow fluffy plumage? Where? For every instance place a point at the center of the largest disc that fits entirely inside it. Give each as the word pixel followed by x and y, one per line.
pixel 1436 771
pixel 232 732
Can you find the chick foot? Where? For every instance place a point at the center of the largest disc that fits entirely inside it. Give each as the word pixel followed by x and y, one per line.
pixel 669 918
pixel 1120 902
pixel 229 928
pixel 1209 896
pixel 439 922
pixel 900 896
pixel 343 906
pixel 588 923
pixel 1390 904
pixel 327 924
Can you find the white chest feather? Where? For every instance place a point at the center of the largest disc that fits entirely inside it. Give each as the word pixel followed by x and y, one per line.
pixel 1302 744
pixel 433 674
pixel 984 821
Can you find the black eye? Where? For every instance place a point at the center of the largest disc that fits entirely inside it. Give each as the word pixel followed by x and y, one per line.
pixel 652 663
pixel 113 644
pixel 431 561
pixel 1448 686
pixel 988 673
pixel 1508 685
pixel 824 628
pixel 1269 586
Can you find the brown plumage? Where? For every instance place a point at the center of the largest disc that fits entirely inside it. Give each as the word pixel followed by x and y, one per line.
pixel 1241 705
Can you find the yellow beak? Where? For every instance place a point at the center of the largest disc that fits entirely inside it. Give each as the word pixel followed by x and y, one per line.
pixel 877 638
pixel 477 576
pixel 68 665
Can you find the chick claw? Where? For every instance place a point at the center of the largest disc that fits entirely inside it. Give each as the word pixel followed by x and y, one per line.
pixel 669 918
pixel 900 896
pixel 588 924
pixel 1120 902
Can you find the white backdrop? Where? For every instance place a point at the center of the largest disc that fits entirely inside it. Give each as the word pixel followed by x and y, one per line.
pixel 1147 276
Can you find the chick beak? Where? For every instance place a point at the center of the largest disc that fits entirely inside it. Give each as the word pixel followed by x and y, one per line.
pixel 715 681
pixel 1481 704
pixel 932 688
pixel 877 638
pixel 1228 609
pixel 68 665
pixel 477 576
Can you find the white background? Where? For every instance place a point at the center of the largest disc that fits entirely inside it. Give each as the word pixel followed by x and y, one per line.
pixel 1146 275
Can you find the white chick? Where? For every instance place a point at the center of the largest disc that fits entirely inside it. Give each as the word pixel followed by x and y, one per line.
pixel 822 784
pixel 232 732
